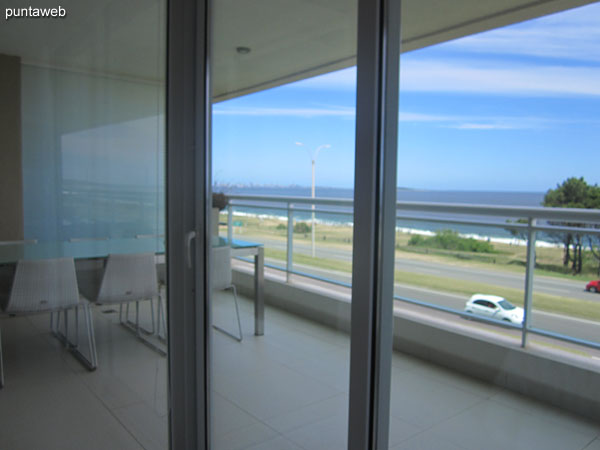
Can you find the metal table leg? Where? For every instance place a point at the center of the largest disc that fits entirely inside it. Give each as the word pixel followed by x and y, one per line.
pixel 259 288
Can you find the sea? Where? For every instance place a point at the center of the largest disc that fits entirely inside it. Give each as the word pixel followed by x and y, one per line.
pixel 420 223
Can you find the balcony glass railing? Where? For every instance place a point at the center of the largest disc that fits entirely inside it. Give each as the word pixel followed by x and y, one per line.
pixel 446 253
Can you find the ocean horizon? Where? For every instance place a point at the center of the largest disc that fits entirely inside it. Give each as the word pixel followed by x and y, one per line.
pixel 419 224
pixel 486 197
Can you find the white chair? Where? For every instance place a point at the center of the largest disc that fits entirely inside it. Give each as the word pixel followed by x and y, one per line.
pixel 131 278
pixel 221 280
pixel 50 285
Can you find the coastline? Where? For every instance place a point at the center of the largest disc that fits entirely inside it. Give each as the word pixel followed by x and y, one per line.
pixel 405 230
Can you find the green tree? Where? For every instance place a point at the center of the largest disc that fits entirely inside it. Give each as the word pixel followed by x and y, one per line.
pixel 451 240
pixel 302 227
pixel 518 233
pixel 573 193
pixel 594 243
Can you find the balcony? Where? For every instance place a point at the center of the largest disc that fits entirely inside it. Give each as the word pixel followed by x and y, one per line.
pixel 285 390
pixel 456 383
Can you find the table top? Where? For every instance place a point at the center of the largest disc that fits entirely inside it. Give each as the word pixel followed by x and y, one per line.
pixel 85 249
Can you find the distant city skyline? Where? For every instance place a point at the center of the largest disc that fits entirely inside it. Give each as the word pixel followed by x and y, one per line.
pixel 223 187
pixel 512 109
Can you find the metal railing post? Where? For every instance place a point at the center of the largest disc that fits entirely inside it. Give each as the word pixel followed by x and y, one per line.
pixel 229 223
pixel 542 220
pixel 529 270
pixel 290 242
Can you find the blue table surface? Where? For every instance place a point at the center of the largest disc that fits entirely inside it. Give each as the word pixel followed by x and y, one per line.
pixel 11 253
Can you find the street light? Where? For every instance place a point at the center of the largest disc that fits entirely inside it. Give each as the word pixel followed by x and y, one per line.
pixel 313 158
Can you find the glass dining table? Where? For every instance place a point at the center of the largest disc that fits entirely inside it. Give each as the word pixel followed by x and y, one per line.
pixel 12 252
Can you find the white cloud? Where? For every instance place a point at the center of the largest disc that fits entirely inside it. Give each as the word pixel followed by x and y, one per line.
pixel 482 123
pixel 498 77
pixel 404 116
pixel 571 38
pixel 572 35
pixel 486 126
pixel 446 121
pixel 566 42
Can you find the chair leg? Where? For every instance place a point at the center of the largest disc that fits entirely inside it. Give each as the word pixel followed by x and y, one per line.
pixel 91 336
pixel 1 364
pixel 91 362
pixel 66 316
pixel 55 328
pixel 136 323
pixel 137 317
pixel 239 337
pixel 161 318
pixel 237 311
pixel 139 331
pixel 77 326
pixel 57 324
pixel 152 313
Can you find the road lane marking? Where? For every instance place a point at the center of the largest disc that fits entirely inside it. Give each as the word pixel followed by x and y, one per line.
pixel 563 316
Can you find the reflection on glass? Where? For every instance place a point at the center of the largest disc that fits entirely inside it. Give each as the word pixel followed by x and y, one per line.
pixel 479 116
pixel 573 298
pixel 105 177
pixel 277 84
pixel 87 98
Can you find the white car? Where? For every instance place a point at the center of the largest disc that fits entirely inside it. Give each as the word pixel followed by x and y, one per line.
pixel 494 307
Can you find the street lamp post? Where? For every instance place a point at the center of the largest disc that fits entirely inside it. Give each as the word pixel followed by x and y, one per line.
pixel 313 159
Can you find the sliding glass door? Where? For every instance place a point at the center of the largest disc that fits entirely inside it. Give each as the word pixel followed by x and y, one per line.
pixel 282 221
pixel 283 92
pixel 277 330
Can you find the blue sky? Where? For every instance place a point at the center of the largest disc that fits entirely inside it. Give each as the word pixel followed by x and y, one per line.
pixel 516 109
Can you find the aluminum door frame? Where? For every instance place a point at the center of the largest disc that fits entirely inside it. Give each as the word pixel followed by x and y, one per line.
pixel 378 67
pixel 187 228
pixel 188 241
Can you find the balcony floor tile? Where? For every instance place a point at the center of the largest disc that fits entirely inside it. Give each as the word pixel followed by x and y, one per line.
pixel 492 425
pixel 287 390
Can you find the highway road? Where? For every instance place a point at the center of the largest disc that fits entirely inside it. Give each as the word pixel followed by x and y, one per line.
pixel 579 328
pixel 547 285
pixel 542 284
pixel 570 326
pixel 502 331
pixel 575 327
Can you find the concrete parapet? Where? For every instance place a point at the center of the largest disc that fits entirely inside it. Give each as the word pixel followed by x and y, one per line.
pixel 565 381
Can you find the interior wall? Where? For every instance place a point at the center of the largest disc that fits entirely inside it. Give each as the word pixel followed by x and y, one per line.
pixel 11 182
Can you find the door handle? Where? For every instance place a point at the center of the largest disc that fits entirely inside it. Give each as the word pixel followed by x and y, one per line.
pixel 189 236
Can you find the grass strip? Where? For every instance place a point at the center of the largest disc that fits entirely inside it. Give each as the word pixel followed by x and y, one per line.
pixel 585 309
pixel 319 263
pixel 506 257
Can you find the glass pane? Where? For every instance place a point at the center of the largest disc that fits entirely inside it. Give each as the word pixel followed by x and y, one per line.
pixel 494 126
pixel 569 306
pixel 82 249
pixel 283 129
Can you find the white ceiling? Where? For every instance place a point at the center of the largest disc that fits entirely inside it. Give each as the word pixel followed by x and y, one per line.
pixel 289 39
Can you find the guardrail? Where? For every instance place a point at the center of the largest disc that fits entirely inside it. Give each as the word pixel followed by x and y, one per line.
pixel 538 219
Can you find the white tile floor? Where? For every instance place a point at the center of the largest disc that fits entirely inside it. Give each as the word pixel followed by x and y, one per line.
pixel 286 390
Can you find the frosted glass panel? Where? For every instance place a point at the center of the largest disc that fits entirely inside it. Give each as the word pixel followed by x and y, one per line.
pixel 95 146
